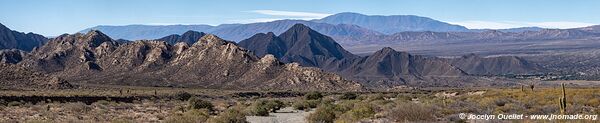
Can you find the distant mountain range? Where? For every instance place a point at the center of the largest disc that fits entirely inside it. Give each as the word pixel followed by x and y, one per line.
pixel 353 29
pixel 392 24
pixel 339 26
pixel 10 39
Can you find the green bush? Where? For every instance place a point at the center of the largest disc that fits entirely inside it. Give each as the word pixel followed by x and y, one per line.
pixel 411 112
pixel 14 103
pixel 324 114
pixel 195 103
pixel 313 96
pixel 349 96
pixel 182 95
pixel 360 111
pixel 378 96
pixel 274 105
pixel 233 115
pixel 3 103
pixel 300 105
pixel 263 107
pixel 191 116
pixel 306 104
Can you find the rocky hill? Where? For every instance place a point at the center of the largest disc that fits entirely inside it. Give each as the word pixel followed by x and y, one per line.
pixel 211 62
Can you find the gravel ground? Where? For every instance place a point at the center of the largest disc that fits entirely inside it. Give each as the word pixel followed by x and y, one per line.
pixel 285 115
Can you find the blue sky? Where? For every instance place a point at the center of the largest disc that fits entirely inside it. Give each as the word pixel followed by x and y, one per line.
pixel 54 17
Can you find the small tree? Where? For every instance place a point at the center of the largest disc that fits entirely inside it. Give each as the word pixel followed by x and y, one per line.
pixel 182 95
pixel 195 103
pixel 313 96
pixel 349 96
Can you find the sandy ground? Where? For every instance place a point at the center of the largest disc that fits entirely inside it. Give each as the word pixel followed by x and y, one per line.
pixel 285 115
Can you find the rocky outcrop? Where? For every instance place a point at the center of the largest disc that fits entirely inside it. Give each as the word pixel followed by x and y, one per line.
pixel 10 39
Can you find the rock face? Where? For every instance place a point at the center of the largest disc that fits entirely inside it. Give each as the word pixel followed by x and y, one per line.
pixel 392 24
pixel 475 65
pixel 307 47
pixel 10 39
pixel 211 62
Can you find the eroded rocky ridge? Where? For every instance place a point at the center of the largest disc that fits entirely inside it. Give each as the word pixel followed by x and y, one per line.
pixel 211 62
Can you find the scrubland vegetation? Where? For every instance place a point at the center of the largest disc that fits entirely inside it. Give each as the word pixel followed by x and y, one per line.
pixel 181 106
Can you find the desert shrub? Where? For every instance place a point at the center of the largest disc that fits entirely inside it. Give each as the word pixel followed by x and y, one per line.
pixel 360 111
pixel 77 107
pixel 594 102
pixel 411 112
pixel 182 95
pixel 191 116
pixel 263 107
pixel 348 96
pixel 257 111
pixel 195 103
pixel 403 97
pixel 3 102
pixel 274 105
pixel 119 120
pixel 345 105
pixel 233 115
pixel 300 105
pixel 14 103
pixel 378 96
pixel 323 114
pixel 313 96
pixel 38 121
pixel 509 108
pixel 306 104
pixel 501 102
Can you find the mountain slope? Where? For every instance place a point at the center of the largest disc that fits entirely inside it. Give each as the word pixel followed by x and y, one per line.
pixel 391 24
pixel 475 65
pixel 10 39
pixel 210 62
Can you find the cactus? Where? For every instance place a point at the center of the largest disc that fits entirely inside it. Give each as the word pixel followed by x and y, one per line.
pixel 522 88
pixel 563 100
pixel 531 86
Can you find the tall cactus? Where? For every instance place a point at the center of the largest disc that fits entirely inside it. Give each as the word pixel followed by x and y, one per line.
pixel 563 100
pixel 522 88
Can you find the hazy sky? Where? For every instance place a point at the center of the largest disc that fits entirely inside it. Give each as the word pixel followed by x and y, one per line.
pixel 54 17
